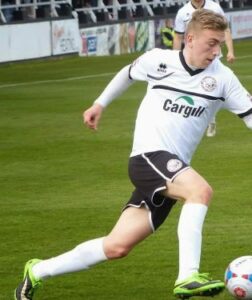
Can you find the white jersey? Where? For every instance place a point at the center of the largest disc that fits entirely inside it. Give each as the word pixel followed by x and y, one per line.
pixel 184 14
pixel 180 102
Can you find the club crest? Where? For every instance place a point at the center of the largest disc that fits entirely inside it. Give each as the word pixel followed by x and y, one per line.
pixel 174 165
pixel 208 83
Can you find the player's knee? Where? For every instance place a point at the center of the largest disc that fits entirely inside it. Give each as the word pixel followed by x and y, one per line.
pixel 201 194
pixel 115 250
pixel 205 193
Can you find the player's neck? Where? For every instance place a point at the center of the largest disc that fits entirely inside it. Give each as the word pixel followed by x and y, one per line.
pixel 198 4
pixel 189 61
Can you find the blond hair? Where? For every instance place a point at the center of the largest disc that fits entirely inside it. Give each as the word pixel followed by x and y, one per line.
pixel 206 19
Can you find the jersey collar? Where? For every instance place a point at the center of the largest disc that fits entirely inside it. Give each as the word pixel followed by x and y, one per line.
pixel 187 68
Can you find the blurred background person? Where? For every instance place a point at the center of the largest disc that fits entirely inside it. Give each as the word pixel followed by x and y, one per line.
pixel 167 34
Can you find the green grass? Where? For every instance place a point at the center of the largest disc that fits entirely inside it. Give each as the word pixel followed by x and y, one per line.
pixel 62 184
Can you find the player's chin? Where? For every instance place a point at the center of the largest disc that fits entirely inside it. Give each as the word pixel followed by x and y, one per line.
pixel 206 63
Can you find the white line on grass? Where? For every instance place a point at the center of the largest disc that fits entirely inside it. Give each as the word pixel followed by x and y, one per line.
pixel 87 77
pixel 54 80
pixel 244 57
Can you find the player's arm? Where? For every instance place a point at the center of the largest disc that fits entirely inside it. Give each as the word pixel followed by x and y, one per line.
pixel 115 88
pixel 230 46
pixel 228 38
pixel 177 40
pixel 136 71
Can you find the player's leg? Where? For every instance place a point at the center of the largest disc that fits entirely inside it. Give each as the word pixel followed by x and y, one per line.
pixel 132 227
pixel 138 220
pixel 211 129
pixel 163 172
pixel 196 192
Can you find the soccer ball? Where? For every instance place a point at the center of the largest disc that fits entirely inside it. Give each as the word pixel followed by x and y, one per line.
pixel 238 278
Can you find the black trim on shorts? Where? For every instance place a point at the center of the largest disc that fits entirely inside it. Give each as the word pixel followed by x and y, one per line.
pixel 158 214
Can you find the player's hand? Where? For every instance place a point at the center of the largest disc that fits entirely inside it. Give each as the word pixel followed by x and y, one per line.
pixel 230 57
pixel 92 116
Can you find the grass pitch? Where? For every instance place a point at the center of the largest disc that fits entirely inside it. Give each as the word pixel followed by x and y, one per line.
pixel 62 184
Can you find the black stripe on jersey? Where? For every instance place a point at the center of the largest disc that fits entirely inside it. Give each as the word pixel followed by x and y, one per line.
pixel 245 114
pixel 170 88
pixel 159 78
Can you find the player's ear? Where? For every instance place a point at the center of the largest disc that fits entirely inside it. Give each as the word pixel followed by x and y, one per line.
pixel 189 39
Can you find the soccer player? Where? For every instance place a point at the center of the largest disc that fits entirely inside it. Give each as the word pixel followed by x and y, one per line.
pixel 185 89
pixel 182 18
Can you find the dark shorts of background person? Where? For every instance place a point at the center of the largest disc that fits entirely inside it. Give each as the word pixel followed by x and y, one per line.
pixel 149 173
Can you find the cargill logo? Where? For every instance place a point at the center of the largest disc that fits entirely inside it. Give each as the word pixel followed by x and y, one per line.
pixel 187 99
pixel 183 105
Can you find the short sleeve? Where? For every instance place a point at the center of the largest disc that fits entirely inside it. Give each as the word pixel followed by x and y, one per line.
pixel 238 99
pixel 179 24
pixel 142 65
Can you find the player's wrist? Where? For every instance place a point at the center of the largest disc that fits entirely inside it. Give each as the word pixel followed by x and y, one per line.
pixel 101 104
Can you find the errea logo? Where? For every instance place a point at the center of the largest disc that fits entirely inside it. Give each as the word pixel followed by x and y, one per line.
pixel 162 68
pixel 186 108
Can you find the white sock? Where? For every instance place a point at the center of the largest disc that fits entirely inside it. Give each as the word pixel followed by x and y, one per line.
pixel 213 120
pixel 81 257
pixel 190 225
